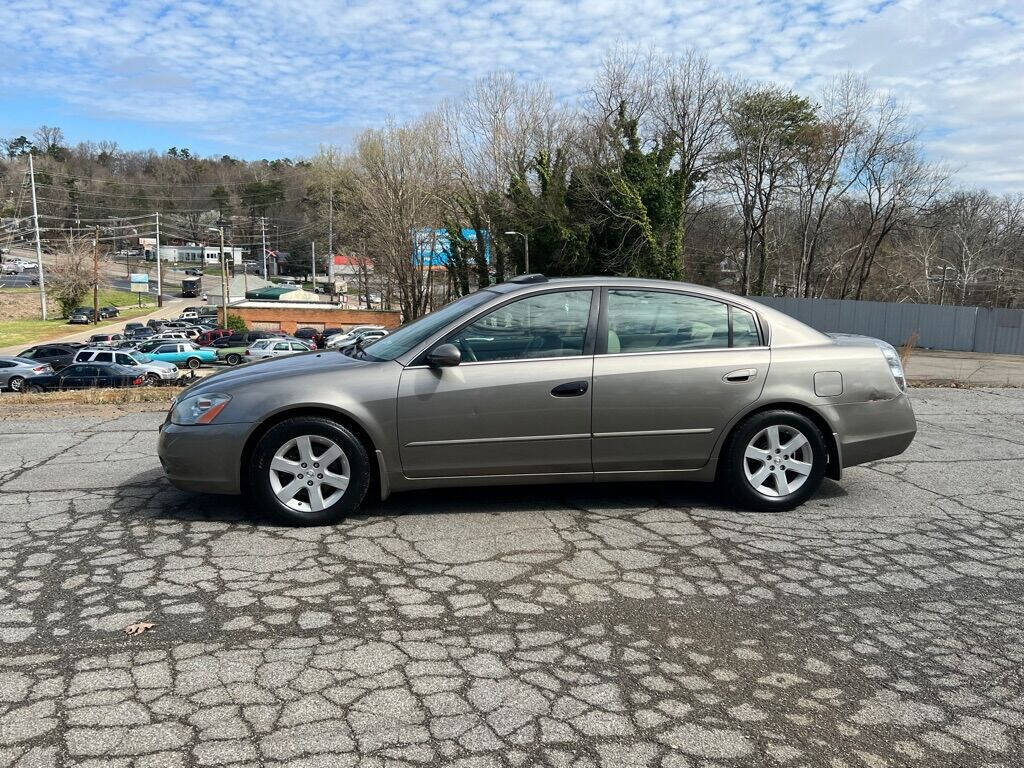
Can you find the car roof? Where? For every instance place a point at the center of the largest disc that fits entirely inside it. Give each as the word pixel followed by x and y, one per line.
pixel 16 359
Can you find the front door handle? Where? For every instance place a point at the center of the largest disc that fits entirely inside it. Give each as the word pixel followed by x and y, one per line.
pixel 571 389
pixel 744 374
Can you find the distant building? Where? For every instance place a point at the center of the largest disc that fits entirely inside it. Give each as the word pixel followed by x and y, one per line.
pixel 192 253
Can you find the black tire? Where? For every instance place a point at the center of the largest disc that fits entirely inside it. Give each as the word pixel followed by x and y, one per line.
pixel 15 383
pixel 151 380
pixel 193 362
pixel 33 389
pixel 233 359
pixel 733 474
pixel 258 486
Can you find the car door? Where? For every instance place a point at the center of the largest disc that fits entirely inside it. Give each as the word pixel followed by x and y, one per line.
pixel 75 377
pixel 103 376
pixel 672 370
pixel 518 404
pixel 279 349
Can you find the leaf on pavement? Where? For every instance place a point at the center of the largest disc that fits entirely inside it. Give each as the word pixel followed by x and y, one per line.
pixel 137 629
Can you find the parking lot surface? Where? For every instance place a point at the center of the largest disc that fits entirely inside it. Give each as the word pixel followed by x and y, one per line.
pixel 648 625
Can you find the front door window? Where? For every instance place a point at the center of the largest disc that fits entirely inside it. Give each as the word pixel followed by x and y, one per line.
pixel 546 325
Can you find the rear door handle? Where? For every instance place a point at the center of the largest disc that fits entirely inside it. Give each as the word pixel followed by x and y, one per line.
pixel 743 374
pixel 571 389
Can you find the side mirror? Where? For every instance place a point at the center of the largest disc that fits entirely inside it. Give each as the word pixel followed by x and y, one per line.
pixel 444 356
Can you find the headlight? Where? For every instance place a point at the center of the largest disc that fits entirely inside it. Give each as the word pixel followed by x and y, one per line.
pixel 892 357
pixel 198 409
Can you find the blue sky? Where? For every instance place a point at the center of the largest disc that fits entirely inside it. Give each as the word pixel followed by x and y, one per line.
pixel 271 78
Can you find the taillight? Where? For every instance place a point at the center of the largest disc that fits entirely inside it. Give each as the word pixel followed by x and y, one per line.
pixel 39 369
pixel 248 352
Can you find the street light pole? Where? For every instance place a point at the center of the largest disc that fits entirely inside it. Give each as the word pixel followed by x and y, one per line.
pixel 526 250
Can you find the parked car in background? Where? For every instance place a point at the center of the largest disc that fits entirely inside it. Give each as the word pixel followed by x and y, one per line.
pixel 128 327
pixel 306 334
pixel 206 338
pixel 57 356
pixel 264 348
pixel 109 311
pixel 359 340
pixel 153 371
pixel 86 376
pixel 194 272
pixel 80 317
pixel 537 381
pixel 11 268
pixel 182 354
pixel 105 338
pixel 169 336
pixel 15 371
pixel 140 333
pixel 336 339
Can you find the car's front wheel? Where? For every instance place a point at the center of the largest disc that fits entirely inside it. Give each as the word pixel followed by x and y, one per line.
pixel 775 461
pixel 16 383
pixel 151 379
pixel 309 471
pixel 233 359
pixel 193 363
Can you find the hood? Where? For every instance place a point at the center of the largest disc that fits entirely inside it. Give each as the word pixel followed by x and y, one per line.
pixel 269 368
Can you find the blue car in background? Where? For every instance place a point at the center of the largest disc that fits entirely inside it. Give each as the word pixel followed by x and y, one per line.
pixel 183 353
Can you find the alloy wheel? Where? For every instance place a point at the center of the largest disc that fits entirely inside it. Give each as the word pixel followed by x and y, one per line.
pixel 16 383
pixel 309 473
pixel 778 460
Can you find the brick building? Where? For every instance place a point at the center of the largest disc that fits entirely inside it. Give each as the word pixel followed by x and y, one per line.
pixel 290 316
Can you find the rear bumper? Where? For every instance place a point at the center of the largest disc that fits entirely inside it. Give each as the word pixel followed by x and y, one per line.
pixel 874 430
pixel 204 458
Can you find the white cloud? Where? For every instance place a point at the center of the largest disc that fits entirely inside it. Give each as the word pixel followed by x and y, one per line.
pixel 280 76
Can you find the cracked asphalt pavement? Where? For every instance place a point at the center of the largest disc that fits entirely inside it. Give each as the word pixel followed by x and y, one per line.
pixel 623 625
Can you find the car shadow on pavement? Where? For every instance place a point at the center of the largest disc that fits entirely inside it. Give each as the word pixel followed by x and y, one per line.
pixel 705 498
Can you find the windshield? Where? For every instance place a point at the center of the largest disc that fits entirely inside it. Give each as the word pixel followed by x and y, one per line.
pixel 143 358
pixel 402 339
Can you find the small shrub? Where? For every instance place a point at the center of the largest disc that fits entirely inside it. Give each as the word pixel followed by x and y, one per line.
pixel 235 323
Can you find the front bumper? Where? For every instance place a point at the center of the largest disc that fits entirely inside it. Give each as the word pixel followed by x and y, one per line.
pixel 873 430
pixel 204 458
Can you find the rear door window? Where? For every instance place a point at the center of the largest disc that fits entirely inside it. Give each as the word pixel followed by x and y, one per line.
pixel 662 321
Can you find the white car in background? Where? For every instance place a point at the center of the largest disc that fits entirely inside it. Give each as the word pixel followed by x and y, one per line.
pixel 349 337
pixel 153 371
pixel 11 268
pixel 276 347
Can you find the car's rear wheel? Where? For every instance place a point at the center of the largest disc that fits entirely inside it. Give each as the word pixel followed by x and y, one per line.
pixel 309 471
pixel 33 389
pixel 16 383
pixel 233 359
pixel 193 363
pixel 774 461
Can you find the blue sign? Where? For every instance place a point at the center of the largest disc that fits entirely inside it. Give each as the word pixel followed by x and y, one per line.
pixel 433 247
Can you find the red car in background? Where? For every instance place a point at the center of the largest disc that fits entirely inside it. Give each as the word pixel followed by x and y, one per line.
pixel 206 338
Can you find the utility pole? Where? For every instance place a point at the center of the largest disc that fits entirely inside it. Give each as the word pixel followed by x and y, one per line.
pixel 39 245
pixel 159 266
pixel 312 246
pixel 224 290
pixel 96 276
pixel 330 235
pixel 263 227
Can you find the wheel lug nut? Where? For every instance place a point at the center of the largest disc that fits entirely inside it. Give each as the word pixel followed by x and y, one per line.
pixel 320 476
pixel 315 464
pixel 303 466
pixel 309 482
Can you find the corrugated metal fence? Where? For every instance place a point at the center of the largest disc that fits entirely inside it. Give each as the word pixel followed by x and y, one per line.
pixel 966 329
